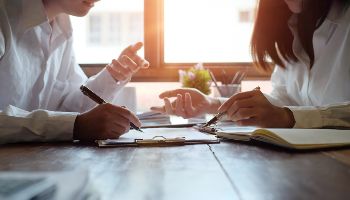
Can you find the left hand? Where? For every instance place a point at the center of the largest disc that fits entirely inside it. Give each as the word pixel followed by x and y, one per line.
pixel 127 64
pixel 253 109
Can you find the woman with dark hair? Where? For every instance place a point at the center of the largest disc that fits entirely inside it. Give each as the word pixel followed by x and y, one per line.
pixel 308 42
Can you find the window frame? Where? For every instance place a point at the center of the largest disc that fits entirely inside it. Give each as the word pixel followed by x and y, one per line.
pixel 159 71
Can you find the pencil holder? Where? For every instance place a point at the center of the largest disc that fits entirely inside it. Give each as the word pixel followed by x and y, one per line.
pixel 226 90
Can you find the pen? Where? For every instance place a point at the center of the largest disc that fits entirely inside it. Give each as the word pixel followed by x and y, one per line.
pixel 215 119
pixel 215 82
pixel 218 116
pixel 86 91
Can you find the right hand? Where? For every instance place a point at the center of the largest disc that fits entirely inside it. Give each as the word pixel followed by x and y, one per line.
pixel 106 121
pixel 128 63
pixel 189 103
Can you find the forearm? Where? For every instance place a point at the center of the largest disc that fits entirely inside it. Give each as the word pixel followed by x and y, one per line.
pixel 17 125
pixel 336 115
pixel 102 84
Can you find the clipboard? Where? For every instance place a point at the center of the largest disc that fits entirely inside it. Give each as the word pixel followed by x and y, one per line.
pixel 160 137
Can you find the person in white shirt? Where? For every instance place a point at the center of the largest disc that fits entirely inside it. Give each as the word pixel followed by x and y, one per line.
pixel 40 98
pixel 309 41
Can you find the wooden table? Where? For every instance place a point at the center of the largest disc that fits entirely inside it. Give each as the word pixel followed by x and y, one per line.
pixel 229 170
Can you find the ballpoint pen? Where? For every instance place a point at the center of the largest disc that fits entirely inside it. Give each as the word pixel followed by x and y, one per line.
pixel 86 91
pixel 215 119
pixel 218 116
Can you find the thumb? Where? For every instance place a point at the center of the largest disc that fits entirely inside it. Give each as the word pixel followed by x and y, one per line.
pixel 158 109
pixel 223 107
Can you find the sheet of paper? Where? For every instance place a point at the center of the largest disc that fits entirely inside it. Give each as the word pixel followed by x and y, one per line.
pixel 159 133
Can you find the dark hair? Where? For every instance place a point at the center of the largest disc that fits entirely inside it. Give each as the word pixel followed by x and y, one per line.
pixel 272 37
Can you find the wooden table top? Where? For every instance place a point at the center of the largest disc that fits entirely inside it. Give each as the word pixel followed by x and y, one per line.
pixel 229 170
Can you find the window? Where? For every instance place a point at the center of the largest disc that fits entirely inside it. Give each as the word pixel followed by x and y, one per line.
pixel 176 33
pixel 110 26
pixel 207 31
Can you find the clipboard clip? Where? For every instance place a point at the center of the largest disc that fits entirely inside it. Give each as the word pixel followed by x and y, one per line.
pixel 208 129
pixel 161 141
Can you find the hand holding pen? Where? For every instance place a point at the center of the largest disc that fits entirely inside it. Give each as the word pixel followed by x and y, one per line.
pixel 106 121
pixel 252 108
pixel 226 109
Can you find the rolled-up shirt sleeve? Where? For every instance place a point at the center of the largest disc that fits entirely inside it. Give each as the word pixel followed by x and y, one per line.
pixel 17 125
pixel 72 99
pixel 333 116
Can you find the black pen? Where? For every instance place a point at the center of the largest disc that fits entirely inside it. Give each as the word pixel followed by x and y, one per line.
pixel 218 116
pixel 85 90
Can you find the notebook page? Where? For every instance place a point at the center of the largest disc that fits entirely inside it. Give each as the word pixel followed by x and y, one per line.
pixel 312 136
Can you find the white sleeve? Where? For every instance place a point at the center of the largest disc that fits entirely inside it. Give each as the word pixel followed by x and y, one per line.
pixel 279 95
pixel 335 115
pixel 17 125
pixel 103 84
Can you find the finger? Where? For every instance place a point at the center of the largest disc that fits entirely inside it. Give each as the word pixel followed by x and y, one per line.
pixel 247 122
pixel 121 68
pixel 131 117
pixel 179 109
pixel 123 116
pixel 242 103
pixel 242 95
pixel 130 64
pixel 158 109
pixel 190 110
pixel 135 47
pixel 115 74
pixel 173 93
pixel 168 107
pixel 131 52
pixel 243 113
pixel 118 130
pixel 141 63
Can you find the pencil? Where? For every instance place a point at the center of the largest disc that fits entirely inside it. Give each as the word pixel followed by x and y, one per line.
pixel 215 82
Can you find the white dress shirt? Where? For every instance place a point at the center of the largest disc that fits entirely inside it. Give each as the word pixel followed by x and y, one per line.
pixel 319 97
pixel 39 77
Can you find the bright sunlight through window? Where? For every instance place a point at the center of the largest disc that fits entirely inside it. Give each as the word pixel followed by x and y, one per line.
pixel 208 30
pixel 111 26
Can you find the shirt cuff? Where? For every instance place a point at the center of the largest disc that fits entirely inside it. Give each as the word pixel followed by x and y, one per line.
pixel 306 117
pixel 61 125
pixel 105 85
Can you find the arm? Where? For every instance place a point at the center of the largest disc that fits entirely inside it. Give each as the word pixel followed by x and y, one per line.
pixel 333 116
pixel 106 84
pixel 105 121
pixel 17 125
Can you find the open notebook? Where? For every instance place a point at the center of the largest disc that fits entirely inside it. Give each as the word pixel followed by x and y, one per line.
pixel 290 138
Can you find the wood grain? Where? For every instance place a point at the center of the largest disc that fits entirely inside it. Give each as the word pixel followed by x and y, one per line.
pixel 264 172
pixel 186 172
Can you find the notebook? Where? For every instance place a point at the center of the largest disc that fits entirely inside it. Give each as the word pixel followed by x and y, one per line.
pixel 290 138
pixel 160 137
